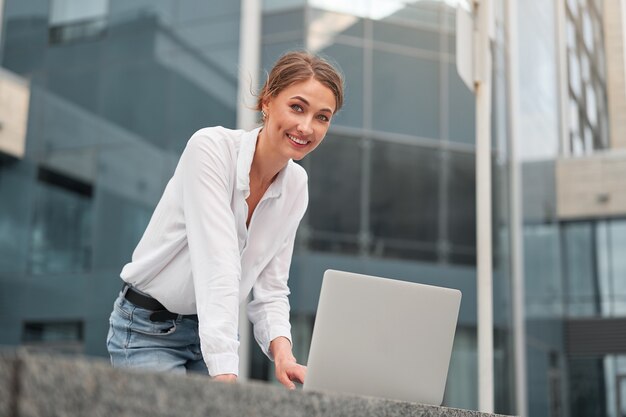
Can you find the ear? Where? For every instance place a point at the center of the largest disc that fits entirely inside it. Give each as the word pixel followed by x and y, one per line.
pixel 265 104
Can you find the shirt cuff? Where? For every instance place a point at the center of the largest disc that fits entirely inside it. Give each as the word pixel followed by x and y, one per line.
pixel 275 332
pixel 224 363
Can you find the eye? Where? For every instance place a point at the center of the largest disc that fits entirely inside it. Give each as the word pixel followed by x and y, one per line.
pixel 297 107
pixel 323 118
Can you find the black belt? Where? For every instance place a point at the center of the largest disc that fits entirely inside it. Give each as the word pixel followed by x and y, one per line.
pixel 159 312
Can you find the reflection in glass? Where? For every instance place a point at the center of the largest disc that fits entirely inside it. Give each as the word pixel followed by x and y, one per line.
pixel 277 5
pixel 412 37
pixel 203 11
pixel 621 392
pixel 373 9
pixel 325 26
pixel 586 381
pixel 71 20
pixel 335 186
pixel 119 231
pixel 461 210
pixel 283 21
pixel 270 52
pixel 618 267
pixel 538 74
pixel 61 231
pixel 57 336
pixel 542 270
pixel 123 10
pixel 406 101
pixel 350 60
pixel 422 13
pixel 16 191
pixel 581 269
pixel 404 227
pixel 605 284
pixel 463 368
pixel 111 115
pixel 461 111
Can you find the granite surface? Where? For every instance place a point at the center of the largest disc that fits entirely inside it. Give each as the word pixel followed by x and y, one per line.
pixel 49 385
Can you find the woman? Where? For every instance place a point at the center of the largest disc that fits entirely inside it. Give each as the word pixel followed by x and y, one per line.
pixel 225 226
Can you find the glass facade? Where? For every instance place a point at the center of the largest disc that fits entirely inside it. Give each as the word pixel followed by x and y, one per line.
pixel 392 189
pixel 572 282
pixel 117 87
pixel 397 134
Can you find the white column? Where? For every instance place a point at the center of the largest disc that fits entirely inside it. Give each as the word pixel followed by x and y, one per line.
pixel 249 62
pixel 515 214
pixel 474 31
pixel 249 67
pixel 483 12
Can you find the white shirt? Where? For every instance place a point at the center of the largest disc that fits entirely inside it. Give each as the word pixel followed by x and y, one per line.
pixel 197 256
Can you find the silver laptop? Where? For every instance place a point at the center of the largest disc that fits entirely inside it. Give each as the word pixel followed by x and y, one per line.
pixel 383 338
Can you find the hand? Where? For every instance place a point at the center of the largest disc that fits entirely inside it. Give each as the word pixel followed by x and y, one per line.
pixel 225 378
pixel 287 369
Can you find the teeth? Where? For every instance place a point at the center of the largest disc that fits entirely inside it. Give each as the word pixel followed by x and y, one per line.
pixel 298 141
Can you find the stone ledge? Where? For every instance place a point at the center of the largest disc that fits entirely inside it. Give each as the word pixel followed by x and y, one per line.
pixel 38 385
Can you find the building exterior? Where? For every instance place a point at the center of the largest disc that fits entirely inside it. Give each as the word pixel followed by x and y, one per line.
pixel 103 95
pixel 573 205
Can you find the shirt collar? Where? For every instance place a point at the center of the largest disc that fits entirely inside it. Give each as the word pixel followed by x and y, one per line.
pixel 244 162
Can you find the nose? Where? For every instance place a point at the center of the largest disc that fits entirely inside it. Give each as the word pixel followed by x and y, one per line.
pixel 305 126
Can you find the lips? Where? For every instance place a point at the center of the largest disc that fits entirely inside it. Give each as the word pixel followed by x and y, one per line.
pixel 298 141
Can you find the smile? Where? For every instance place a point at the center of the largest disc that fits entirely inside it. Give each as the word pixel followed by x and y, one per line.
pixel 296 140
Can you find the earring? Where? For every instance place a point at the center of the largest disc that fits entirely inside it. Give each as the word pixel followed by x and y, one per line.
pixel 264 116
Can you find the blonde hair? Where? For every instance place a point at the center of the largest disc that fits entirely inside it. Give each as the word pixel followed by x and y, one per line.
pixel 297 66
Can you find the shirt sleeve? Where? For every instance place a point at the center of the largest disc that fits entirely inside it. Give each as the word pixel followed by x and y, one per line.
pixel 213 249
pixel 269 309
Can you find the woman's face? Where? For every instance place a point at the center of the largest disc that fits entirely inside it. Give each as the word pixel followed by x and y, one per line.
pixel 298 118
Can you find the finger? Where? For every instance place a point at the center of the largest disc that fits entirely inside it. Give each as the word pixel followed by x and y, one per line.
pixel 298 374
pixel 288 384
pixel 284 379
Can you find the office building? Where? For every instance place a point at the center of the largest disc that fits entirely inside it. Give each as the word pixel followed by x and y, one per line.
pixel 109 91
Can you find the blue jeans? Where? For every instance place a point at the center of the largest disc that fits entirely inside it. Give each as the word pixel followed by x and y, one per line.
pixel 136 342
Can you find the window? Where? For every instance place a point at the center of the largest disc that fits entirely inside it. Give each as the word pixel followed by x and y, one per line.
pixel 75 20
pixel 406 101
pixel 61 229
pixel 335 194
pixel 58 336
pixel 405 201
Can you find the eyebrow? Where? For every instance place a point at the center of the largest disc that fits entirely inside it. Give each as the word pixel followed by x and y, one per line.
pixel 305 101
